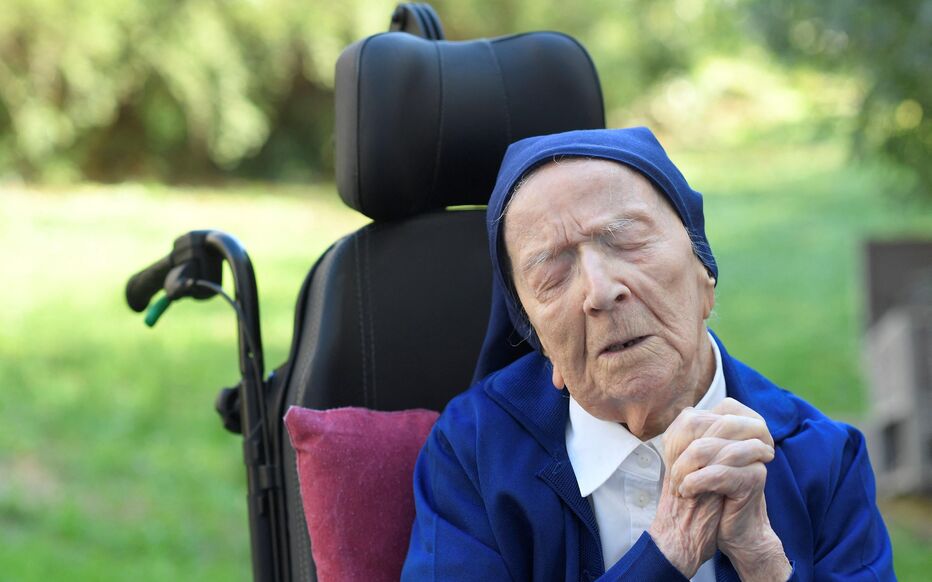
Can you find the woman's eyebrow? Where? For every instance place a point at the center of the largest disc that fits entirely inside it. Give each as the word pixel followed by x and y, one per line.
pixel 536 259
pixel 617 225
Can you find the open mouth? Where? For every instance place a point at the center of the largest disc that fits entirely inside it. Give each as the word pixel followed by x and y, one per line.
pixel 621 346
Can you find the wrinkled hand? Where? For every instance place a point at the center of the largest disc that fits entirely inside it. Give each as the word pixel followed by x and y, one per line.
pixel 727 460
pixel 685 529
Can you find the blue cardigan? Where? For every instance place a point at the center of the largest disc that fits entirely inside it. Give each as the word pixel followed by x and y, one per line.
pixel 497 499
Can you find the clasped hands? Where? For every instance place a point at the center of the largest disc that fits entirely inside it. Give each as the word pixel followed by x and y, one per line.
pixel 713 493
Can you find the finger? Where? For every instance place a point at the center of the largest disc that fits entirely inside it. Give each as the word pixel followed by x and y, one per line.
pixel 706 451
pixel 743 453
pixel 689 425
pixel 732 482
pixel 732 406
pixel 739 428
pixel 697 455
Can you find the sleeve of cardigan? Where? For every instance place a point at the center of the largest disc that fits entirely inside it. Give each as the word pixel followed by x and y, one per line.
pixel 644 561
pixel 451 538
pixel 852 544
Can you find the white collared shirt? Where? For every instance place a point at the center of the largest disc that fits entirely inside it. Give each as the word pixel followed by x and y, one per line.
pixel 622 476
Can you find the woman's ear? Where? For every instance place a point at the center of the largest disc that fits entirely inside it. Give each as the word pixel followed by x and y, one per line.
pixel 558 381
pixel 707 285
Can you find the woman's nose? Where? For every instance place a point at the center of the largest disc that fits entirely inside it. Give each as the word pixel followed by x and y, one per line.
pixel 604 285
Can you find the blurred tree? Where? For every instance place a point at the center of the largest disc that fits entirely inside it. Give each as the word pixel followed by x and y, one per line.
pixel 181 89
pixel 889 44
pixel 169 89
pixel 193 89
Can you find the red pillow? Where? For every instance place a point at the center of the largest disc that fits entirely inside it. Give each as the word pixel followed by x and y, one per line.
pixel 356 470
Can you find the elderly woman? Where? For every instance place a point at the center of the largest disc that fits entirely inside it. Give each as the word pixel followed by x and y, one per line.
pixel 629 444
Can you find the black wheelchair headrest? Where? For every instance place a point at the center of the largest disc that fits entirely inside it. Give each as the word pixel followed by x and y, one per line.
pixel 422 125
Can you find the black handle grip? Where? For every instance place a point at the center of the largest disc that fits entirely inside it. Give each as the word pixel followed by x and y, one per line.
pixel 146 283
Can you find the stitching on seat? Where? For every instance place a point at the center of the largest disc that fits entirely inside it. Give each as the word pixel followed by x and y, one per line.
pixel 501 77
pixel 375 401
pixel 433 183
pixel 310 333
pixel 362 326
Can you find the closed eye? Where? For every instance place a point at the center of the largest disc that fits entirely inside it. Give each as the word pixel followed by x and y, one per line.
pixel 550 276
pixel 624 245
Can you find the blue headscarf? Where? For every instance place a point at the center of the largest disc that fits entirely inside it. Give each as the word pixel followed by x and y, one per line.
pixel 635 147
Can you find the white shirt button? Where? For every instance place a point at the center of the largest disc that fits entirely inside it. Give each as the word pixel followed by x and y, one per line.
pixel 643 460
pixel 642 499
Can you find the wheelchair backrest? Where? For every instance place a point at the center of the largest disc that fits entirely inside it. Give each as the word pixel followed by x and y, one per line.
pixel 393 315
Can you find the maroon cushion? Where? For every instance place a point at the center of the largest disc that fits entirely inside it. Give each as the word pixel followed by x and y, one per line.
pixel 356 469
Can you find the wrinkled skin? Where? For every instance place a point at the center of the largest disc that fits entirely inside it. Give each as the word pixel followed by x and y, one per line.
pixel 728 460
pixel 606 274
pixel 600 258
pixel 716 482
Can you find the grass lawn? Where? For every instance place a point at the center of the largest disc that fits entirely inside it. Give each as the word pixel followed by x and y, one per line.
pixel 112 461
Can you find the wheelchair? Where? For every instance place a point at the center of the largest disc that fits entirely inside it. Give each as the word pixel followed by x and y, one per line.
pixel 392 316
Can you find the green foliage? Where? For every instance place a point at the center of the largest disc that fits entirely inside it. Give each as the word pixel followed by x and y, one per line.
pixel 886 43
pixel 177 89
pixel 161 87
pixel 189 89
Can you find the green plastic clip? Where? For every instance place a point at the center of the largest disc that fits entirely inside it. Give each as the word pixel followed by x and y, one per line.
pixel 156 310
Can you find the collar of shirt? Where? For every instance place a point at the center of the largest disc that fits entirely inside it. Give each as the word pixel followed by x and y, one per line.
pixel 597 447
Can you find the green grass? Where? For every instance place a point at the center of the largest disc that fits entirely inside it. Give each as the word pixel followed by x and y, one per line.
pixel 788 224
pixel 112 461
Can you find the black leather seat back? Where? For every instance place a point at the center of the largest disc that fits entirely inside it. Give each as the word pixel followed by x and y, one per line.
pixel 394 323
pixel 393 315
